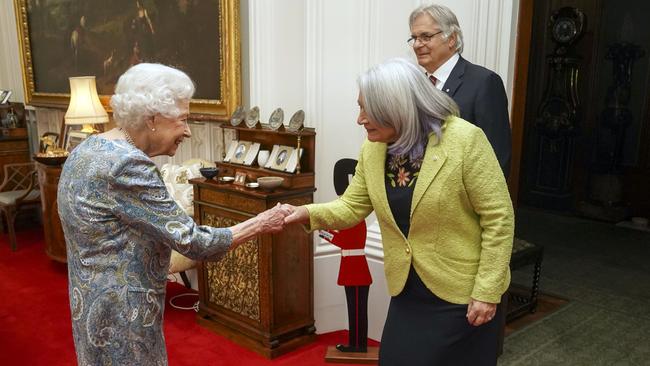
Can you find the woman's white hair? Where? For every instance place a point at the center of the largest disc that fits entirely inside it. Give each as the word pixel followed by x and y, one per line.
pixel 397 94
pixel 446 20
pixel 145 90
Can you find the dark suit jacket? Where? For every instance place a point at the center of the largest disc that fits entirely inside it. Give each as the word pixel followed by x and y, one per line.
pixel 482 100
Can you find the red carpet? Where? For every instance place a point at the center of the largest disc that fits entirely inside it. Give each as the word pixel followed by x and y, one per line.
pixel 35 326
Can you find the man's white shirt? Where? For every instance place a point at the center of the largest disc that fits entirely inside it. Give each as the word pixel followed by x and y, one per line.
pixel 443 72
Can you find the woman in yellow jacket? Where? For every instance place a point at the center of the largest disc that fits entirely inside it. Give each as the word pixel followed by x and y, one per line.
pixel 445 215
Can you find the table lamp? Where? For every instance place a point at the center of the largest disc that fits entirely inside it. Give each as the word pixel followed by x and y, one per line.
pixel 85 108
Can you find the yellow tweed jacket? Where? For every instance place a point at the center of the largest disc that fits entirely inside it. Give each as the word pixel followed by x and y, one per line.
pixel 462 220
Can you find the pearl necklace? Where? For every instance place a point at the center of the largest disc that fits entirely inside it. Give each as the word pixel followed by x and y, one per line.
pixel 128 137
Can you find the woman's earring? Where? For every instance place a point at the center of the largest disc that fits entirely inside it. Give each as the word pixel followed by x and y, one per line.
pixel 153 129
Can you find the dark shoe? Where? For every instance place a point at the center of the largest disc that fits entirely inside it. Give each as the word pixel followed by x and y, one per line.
pixel 344 348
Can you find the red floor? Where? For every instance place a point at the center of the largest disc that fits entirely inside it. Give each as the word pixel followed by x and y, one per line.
pixel 35 319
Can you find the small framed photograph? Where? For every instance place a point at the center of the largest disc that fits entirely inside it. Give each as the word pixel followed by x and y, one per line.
pixel 292 163
pixel 280 157
pixel 241 151
pixel 240 178
pixel 74 138
pixel 4 96
pixel 251 154
pixel 231 150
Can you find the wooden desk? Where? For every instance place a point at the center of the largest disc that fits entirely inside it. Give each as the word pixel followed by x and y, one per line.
pixel 261 294
pixel 48 178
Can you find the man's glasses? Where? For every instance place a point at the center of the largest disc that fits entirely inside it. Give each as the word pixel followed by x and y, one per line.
pixel 423 38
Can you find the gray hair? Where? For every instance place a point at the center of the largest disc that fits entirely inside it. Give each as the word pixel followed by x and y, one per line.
pixel 397 94
pixel 145 90
pixel 446 20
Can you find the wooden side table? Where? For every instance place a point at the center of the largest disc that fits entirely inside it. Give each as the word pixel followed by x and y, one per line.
pixel 48 178
pixel 523 254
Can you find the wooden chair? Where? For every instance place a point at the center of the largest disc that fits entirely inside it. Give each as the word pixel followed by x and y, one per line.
pixel 19 190
pixel 343 170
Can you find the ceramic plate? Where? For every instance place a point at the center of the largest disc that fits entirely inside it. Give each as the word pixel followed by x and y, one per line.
pixel 296 121
pixel 238 116
pixel 276 119
pixel 253 117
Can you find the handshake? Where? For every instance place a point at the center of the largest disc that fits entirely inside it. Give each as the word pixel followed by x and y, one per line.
pixel 275 219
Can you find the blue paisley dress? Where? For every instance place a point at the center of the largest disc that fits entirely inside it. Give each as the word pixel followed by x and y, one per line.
pixel 120 225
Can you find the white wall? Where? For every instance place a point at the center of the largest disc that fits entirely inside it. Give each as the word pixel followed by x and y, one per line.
pixel 10 69
pixel 307 55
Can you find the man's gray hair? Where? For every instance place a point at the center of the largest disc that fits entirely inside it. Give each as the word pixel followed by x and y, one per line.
pixel 397 94
pixel 446 20
pixel 145 90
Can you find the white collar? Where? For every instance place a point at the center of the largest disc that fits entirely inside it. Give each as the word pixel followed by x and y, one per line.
pixel 442 73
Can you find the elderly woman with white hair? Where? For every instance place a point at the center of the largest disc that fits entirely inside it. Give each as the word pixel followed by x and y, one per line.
pixel 445 215
pixel 121 224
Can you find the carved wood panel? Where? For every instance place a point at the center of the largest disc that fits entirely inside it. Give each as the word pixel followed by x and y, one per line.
pixel 233 281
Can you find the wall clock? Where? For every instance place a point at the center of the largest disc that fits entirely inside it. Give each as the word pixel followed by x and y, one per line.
pixel 567 25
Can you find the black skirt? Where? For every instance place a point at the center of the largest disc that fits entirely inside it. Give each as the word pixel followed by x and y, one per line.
pixel 422 329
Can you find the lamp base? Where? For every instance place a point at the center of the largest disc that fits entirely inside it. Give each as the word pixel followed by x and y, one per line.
pixel 89 129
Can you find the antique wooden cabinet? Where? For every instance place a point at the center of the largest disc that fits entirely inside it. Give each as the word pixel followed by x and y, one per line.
pixel 261 294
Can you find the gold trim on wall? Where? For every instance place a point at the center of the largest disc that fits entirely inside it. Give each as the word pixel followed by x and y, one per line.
pixel 229 54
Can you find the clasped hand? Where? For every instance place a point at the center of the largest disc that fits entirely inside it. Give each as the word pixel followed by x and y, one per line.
pixel 275 219
pixel 297 214
pixel 272 220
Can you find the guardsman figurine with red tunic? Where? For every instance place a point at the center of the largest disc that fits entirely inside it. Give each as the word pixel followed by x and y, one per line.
pixel 354 274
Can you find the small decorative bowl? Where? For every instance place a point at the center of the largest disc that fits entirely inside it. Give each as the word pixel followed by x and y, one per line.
pixel 226 179
pixel 209 173
pixel 269 183
pixel 50 160
pixel 252 185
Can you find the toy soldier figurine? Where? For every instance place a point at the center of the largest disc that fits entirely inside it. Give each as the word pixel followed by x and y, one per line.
pixel 354 274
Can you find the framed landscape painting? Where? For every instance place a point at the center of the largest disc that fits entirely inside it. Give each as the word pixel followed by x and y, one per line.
pixel 63 38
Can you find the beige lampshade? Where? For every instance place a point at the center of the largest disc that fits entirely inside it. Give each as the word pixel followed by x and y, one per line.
pixel 85 107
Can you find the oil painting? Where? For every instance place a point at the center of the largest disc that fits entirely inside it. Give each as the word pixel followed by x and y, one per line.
pixel 63 38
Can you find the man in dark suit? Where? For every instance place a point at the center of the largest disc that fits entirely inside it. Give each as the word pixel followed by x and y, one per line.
pixel 437 40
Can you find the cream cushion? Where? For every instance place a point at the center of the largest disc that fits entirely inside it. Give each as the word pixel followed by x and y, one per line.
pixel 180 263
pixel 9 197
pixel 176 180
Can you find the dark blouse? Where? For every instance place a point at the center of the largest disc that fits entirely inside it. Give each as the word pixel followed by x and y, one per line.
pixel 401 175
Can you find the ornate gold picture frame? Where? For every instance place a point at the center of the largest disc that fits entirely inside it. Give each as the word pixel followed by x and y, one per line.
pixel 64 38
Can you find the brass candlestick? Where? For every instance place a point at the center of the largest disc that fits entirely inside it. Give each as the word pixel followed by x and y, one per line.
pixel 298 153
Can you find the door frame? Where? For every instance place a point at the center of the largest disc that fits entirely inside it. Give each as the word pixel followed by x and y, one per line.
pixel 520 85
